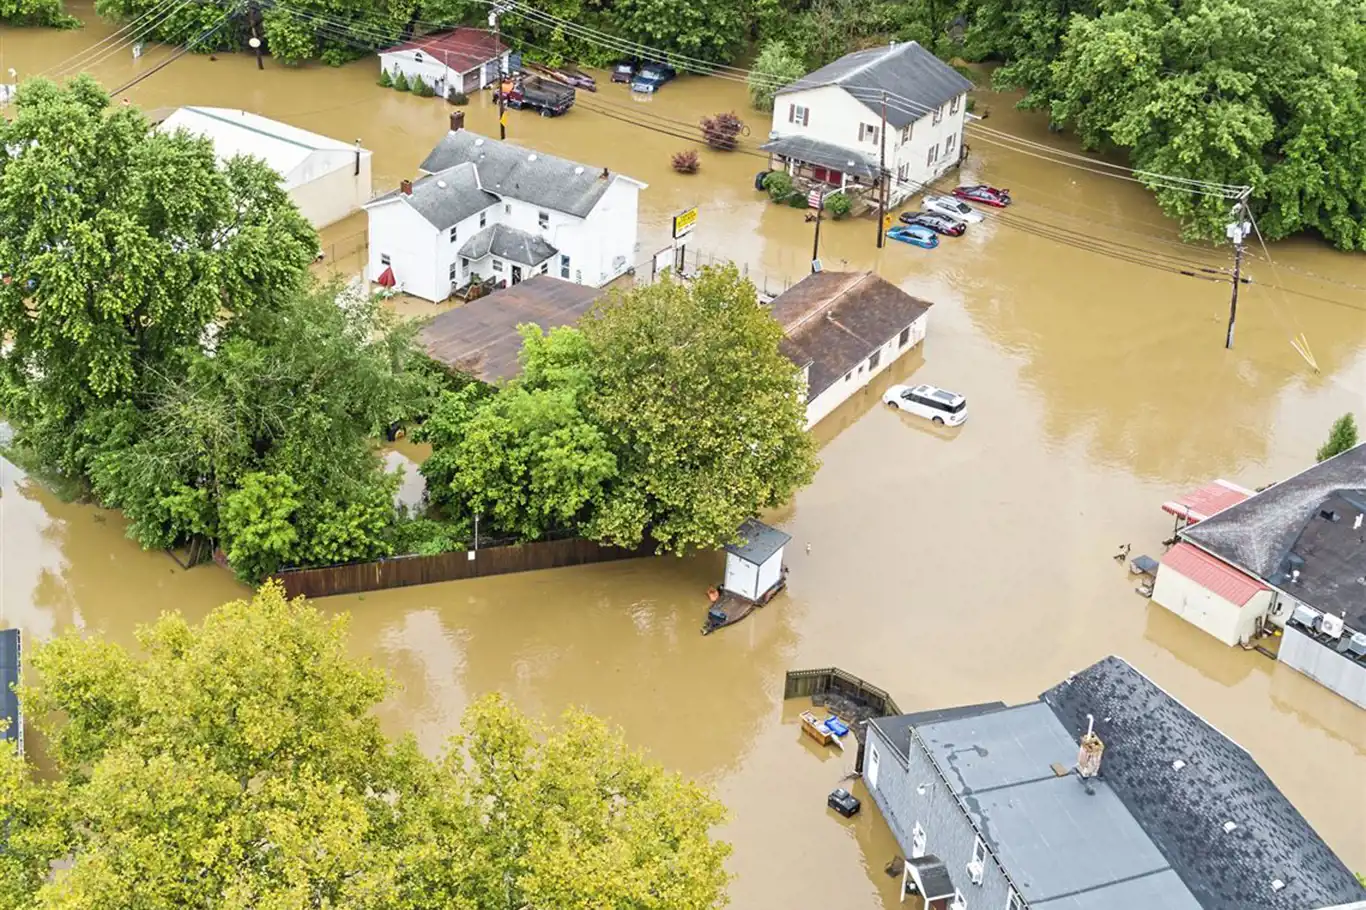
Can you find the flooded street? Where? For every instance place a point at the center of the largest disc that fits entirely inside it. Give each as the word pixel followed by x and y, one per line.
pixel 945 567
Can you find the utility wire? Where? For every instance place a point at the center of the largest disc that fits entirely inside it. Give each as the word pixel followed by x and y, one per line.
pixel 184 49
pixel 95 53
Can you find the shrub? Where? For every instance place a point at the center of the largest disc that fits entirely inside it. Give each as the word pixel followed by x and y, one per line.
pixel 838 205
pixel 686 162
pixel 775 66
pixel 423 89
pixel 401 82
pixel 796 199
pixel 385 80
pixel 779 185
pixel 722 131
pixel 457 97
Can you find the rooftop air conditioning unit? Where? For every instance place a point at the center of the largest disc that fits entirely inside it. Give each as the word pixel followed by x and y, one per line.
pixel 975 871
pixel 1331 625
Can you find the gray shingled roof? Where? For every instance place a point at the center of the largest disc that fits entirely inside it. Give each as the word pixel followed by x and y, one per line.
pixel 508 243
pixel 758 542
pixel 919 79
pixel 934 877
pixel 1183 812
pixel 532 177
pixel 445 198
pixel 9 677
pixel 1259 534
pixel 824 154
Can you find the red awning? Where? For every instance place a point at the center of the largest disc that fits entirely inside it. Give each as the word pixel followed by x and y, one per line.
pixel 1206 501
pixel 1213 574
pixel 386 277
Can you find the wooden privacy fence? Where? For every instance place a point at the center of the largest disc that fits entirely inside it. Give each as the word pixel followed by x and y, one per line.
pixel 402 571
pixel 807 683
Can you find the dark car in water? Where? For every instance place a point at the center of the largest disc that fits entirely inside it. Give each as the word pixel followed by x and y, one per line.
pixel 624 71
pixel 940 224
pixel 651 76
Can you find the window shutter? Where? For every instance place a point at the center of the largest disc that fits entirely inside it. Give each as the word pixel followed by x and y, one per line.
pixel 806 116
pixel 791 113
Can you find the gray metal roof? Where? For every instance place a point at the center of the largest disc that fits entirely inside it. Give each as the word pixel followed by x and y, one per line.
pixel 532 177
pixel 897 728
pixel 445 198
pixel 508 243
pixel 824 154
pixel 9 678
pixel 758 542
pixel 917 78
pixel 1183 811
pixel 1261 534
pixel 1056 837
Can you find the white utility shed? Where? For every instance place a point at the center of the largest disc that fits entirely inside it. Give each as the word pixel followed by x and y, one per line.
pixel 755 565
pixel 328 179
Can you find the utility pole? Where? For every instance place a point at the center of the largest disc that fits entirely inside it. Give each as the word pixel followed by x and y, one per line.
pixel 498 48
pixel 816 243
pixel 1237 231
pixel 882 173
pixel 254 42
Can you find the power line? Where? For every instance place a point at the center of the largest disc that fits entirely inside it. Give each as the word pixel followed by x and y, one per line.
pixel 94 54
pixel 184 49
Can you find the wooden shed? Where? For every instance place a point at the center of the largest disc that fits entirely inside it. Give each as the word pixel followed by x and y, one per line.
pixel 754 567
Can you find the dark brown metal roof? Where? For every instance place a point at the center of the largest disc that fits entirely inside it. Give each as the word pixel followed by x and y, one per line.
pixel 836 320
pixel 480 338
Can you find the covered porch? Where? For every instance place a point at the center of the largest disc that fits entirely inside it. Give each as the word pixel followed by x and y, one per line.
pixel 821 165
pixel 502 254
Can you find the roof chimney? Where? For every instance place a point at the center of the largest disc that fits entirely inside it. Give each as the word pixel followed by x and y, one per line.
pixel 457 121
pixel 405 187
pixel 1088 757
pixel 605 174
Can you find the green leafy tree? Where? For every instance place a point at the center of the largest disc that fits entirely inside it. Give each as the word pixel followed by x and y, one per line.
pixel 239 764
pixel 702 410
pixel 775 67
pixel 1341 437
pixel 120 245
pixel 49 13
pixel 708 30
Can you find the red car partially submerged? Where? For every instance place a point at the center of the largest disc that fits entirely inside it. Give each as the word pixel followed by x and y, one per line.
pixel 987 195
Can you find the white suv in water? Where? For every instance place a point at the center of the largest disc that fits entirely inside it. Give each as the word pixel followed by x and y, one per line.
pixel 954 208
pixel 926 401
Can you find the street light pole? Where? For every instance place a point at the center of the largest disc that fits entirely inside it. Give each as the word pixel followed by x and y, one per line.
pixel 882 174
pixel 1237 231
pixel 498 49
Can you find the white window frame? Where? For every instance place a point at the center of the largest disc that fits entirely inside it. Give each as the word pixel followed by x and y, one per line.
pixel 497 265
pixel 979 860
pixel 483 219
pixel 1013 901
pixel 417 56
pixel 949 144
pixel 454 271
pixel 932 155
pixel 867 133
pixel 953 105
pixel 903 171
pixel 543 219
pixel 906 133
pixel 874 360
pixel 938 115
pixel 507 208
pixel 979 851
pixel 959 902
pixel 564 266
pixel 919 839
pixel 384 259
pixel 455 235
pixel 799 114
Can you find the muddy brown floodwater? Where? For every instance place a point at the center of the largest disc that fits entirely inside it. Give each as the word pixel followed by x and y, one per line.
pixel 945 567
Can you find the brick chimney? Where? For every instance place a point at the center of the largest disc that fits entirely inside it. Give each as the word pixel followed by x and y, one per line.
pixel 405 187
pixel 457 121
pixel 1090 751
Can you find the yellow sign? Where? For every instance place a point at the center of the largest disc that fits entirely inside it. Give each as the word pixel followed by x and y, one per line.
pixel 887 222
pixel 684 221
pixel 504 119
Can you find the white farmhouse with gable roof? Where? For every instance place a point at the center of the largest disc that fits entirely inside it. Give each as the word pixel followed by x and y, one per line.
pixel 489 209
pixel 828 125
pixel 327 179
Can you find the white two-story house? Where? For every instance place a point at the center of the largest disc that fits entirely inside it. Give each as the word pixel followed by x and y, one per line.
pixel 828 126
pixel 490 210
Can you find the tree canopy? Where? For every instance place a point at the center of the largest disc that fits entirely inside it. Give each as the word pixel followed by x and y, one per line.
pixel 238 764
pixel 1341 437
pixel 36 12
pixel 669 413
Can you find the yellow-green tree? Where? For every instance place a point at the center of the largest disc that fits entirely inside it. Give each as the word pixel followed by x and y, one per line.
pixel 237 764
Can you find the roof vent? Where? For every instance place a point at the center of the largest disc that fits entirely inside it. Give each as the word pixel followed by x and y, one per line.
pixel 531 157
pixel 441 184
pixel 479 142
pixel 579 170
pixel 1178 765
pixel 1356 525
pixel 1277 884
pixel 1328 515
pixel 1230 827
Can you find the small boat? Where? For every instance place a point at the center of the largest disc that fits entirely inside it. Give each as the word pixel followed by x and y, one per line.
pixel 817 730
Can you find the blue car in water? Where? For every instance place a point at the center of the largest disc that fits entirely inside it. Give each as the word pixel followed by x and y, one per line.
pixel 651 76
pixel 914 234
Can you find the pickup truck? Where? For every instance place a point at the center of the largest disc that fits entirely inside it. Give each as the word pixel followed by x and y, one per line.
pixel 651 76
pixel 549 97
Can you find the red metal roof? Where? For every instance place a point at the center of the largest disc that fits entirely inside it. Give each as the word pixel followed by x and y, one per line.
pixel 1206 501
pixel 1212 574
pixel 461 49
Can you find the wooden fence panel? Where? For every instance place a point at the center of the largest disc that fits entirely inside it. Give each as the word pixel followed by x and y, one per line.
pixel 808 683
pixel 403 571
